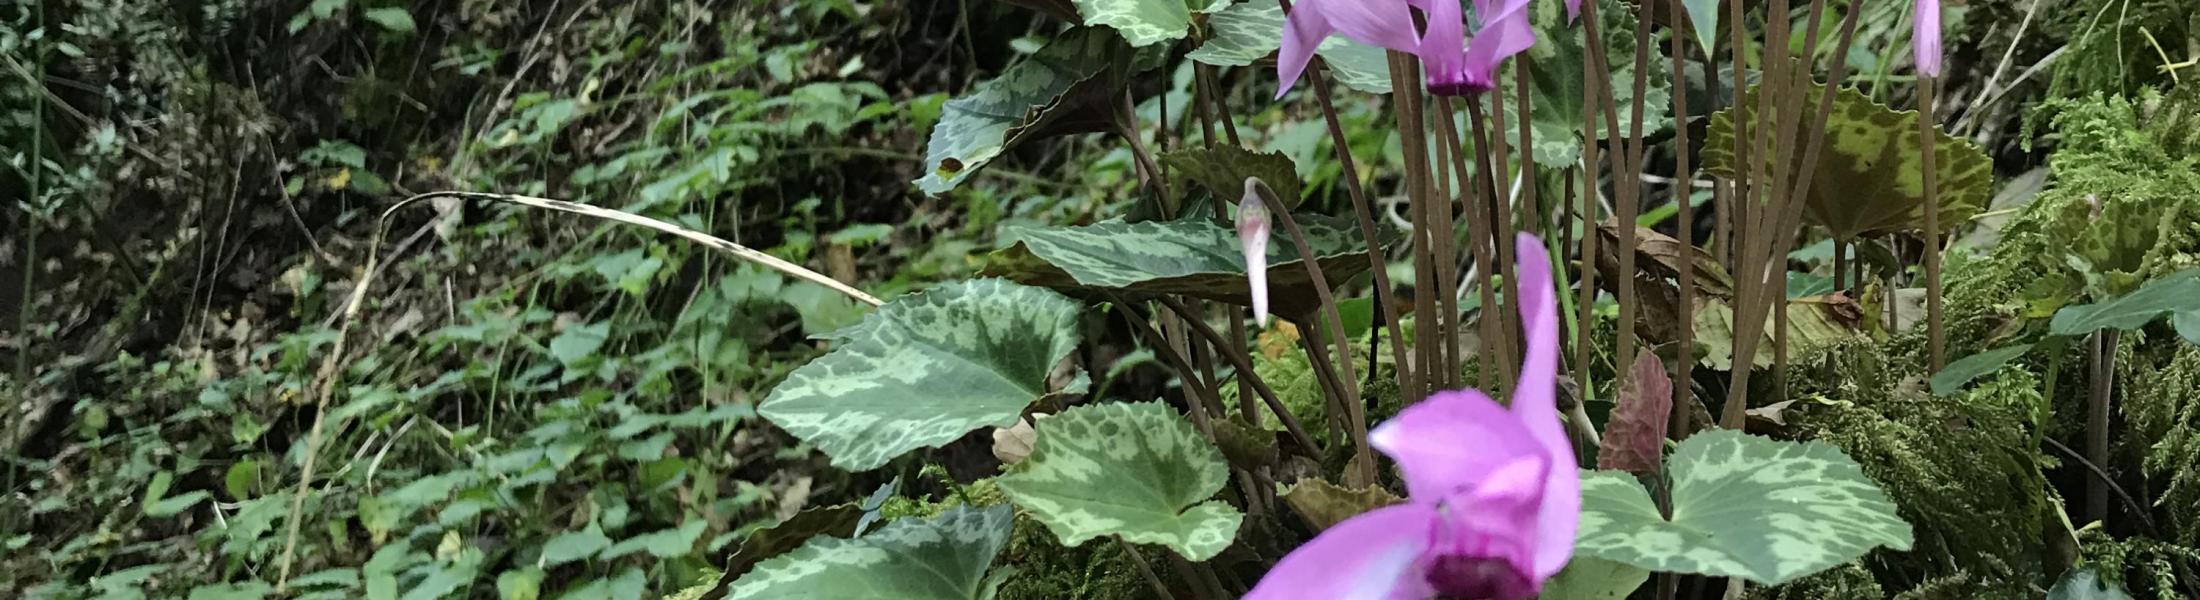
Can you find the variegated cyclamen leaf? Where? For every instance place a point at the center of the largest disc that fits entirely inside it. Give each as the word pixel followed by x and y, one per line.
pixel 1135 470
pixel 1223 169
pixel 1147 22
pixel 1870 176
pixel 925 369
pixel 919 559
pixel 1077 68
pixel 1193 257
pixel 1592 578
pixel 1743 506
pixel 1247 32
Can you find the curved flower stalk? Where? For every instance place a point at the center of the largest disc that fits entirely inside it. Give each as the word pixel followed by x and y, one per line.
pixel 1494 496
pixel 1253 229
pixel 1453 65
pixel 1925 37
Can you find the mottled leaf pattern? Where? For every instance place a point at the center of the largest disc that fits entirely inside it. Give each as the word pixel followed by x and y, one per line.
pixel 2178 293
pixel 1870 176
pixel 917 559
pixel 1634 440
pixel 1743 506
pixel 1223 169
pixel 1147 22
pixel 1592 578
pixel 1193 257
pixel 1136 470
pixel 1324 504
pixel 926 368
pixel 1559 55
pixel 1250 31
pixel 976 128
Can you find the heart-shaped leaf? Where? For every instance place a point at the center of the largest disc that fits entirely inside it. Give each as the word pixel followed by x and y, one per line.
pixel 1250 31
pixel 2177 294
pixel 1077 68
pixel 1870 179
pixel 1743 506
pixel 925 369
pixel 1194 257
pixel 1147 22
pixel 1134 470
pixel 942 558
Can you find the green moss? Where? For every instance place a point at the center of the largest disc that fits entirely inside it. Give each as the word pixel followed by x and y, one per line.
pixel 1046 570
pixel 2147 568
pixel 1849 581
pixel 2109 47
pixel 2161 405
pixel 1966 586
pixel 1964 471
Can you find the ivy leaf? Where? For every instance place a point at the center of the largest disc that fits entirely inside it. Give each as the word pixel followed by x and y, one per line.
pixel 1223 170
pixel 1134 470
pixel 579 342
pixel 1869 179
pixel 1968 368
pixel 1324 504
pixel 1072 71
pixel 1592 578
pixel 1247 32
pixel 1634 440
pixel 394 19
pixel 2178 293
pixel 925 369
pixel 1743 506
pixel 918 559
pixel 1193 257
pixel 1147 22
pixel 574 545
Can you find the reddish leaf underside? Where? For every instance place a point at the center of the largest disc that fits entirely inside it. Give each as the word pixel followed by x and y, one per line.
pixel 1634 440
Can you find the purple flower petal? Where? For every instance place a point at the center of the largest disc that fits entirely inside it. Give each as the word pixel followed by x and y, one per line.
pixel 1925 37
pixel 1303 32
pixel 1443 48
pixel 1448 443
pixel 1384 23
pixel 1374 556
pixel 1535 403
pixel 1505 32
pixel 1573 10
pixel 1486 548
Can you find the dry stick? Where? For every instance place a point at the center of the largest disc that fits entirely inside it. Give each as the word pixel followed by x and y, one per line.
pixel 1684 355
pixel 1405 91
pixel 1251 378
pixel 1928 134
pixel 1788 220
pixel 325 385
pixel 1351 174
pixel 1355 412
pixel 2103 358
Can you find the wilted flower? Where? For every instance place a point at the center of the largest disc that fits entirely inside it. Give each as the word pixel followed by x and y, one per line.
pixel 1494 497
pixel 1453 65
pixel 1925 37
pixel 1253 228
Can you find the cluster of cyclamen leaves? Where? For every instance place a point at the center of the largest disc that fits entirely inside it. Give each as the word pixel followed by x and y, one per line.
pixel 928 368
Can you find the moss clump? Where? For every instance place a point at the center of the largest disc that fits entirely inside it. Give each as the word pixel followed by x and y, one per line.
pixel 2109 47
pixel 2148 569
pixel 1046 570
pixel 1964 471
pixel 2161 405
pixel 1850 581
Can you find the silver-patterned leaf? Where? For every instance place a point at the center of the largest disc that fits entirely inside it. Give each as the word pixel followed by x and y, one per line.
pixel 1192 257
pixel 1076 67
pixel 1147 22
pixel 917 559
pixel 1592 578
pixel 1135 470
pixel 925 369
pixel 1743 506
pixel 1250 31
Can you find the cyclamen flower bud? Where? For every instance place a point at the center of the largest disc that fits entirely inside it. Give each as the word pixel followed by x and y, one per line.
pixel 1253 229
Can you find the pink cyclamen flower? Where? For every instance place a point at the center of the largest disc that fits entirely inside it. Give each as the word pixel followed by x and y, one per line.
pixel 1493 495
pixel 1253 228
pixel 1925 37
pixel 1453 65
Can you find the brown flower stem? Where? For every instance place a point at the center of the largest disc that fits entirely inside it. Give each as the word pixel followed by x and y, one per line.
pixel 1248 376
pixel 1496 329
pixel 1684 353
pixel 1928 136
pixel 1630 199
pixel 1197 394
pixel 1355 416
pixel 1406 94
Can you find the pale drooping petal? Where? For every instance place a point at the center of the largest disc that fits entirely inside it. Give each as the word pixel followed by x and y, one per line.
pixel 1384 23
pixel 1450 441
pixel 1505 32
pixel 1253 229
pixel 1443 47
pixel 1374 556
pixel 1925 37
pixel 1535 403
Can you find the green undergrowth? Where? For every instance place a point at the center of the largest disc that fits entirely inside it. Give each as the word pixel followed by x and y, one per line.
pixel 1045 568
